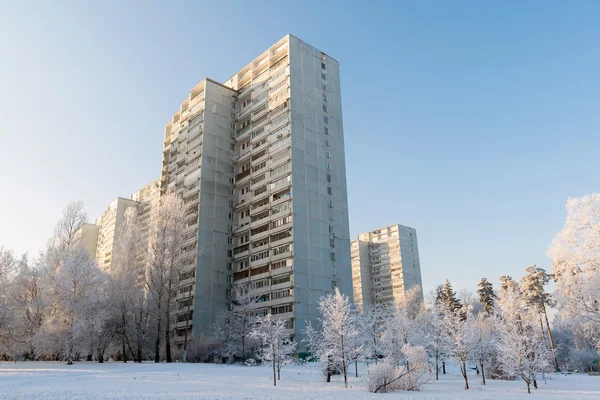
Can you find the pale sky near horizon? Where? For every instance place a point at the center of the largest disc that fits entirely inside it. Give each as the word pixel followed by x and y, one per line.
pixel 472 122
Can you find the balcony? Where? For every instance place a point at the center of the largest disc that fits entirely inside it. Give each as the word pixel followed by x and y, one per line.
pixel 282 241
pixel 242 227
pixel 281 256
pixel 239 178
pixel 190 191
pixel 241 132
pixel 256 210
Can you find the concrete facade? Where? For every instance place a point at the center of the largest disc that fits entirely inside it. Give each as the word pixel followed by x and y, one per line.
pixel 259 162
pixel 385 264
pixel 197 166
pixel 291 210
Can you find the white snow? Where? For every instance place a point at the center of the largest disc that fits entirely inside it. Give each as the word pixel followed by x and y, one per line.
pixel 54 380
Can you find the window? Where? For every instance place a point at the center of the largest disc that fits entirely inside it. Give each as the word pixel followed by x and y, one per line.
pixel 229 253
pixel 324 97
pixel 280 279
pixel 326 131
pixel 230 240
pixel 333 271
pixel 330 216
pixel 328 190
pixel 229 266
pixel 328 154
pixel 332 243
pixel 325 87
pixel 324 109
pixel 282 294
pixel 322 65
pixel 333 284
pixel 230 215
pixel 330 229
pixel 329 203
pixel 229 279
pixel 323 76
pixel 326 142
pixel 328 166
pixel 328 178
pixel 325 119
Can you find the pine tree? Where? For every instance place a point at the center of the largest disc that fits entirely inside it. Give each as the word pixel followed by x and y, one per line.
pixel 487 297
pixel 532 286
pixel 446 298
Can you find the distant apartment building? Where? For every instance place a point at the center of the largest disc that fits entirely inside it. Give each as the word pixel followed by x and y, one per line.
pixel 109 225
pixel 385 264
pixel 100 239
pixel 259 162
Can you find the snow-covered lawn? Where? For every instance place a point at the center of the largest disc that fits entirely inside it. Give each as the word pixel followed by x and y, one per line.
pixel 48 380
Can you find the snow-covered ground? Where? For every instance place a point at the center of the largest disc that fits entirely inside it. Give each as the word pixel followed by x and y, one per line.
pixel 48 380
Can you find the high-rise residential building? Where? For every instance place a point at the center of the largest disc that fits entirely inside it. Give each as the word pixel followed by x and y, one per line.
pixel 385 264
pixel 260 164
pixel 109 228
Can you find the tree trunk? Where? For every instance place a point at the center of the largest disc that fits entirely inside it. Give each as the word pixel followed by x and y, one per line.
pixel 356 367
pixel 273 353
pixel 437 365
pixel 550 339
pixel 124 349
pixel 535 383
pixel 168 325
pixel 482 373
pixel 528 388
pixel 158 332
pixel 328 368
pixel 443 367
pixel 100 355
pixel 463 367
pixel 344 364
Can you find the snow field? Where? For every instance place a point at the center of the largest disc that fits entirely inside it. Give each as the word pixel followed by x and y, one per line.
pixel 55 380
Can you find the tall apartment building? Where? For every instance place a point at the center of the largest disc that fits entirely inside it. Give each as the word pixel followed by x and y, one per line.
pixel 385 264
pixel 260 164
pixel 198 165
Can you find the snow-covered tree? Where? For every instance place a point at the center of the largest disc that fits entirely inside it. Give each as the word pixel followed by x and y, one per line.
pixel 532 287
pixel 167 225
pixel 433 336
pixel 521 351
pixel 232 326
pixel 126 285
pixel 276 343
pixel 371 325
pixel 487 297
pixel 456 325
pixel 73 292
pixel 483 340
pixel 331 342
pixel 575 252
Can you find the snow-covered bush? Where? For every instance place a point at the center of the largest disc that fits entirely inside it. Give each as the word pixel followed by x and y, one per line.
pixel 384 377
pixel 381 378
pixel 583 360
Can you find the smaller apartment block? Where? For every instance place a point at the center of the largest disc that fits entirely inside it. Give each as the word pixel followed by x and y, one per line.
pixel 100 239
pixel 385 264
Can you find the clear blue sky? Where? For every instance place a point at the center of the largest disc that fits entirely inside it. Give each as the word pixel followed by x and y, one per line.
pixel 472 122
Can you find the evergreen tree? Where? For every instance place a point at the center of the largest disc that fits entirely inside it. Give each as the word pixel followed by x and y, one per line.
pixel 446 298
pixel 487 297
